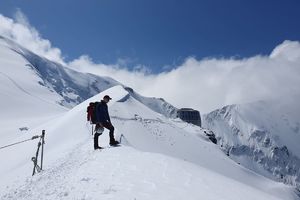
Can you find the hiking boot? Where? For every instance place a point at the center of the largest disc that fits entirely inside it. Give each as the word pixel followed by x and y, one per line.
pixel 114 143
pixel 98 148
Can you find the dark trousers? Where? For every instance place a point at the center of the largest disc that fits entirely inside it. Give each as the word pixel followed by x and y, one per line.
pixel 108 126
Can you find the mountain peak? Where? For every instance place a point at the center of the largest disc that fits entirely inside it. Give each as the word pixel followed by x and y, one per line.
pixel 258 135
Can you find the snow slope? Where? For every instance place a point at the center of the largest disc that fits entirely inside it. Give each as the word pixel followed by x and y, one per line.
pixel 24 103
pixel 156 104
pixel 263 136
pixel 33 78
pixel 73 87
pixel 163 159
pixel 34 90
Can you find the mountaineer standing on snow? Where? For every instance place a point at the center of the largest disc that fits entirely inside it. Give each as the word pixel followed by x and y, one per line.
pixel 103 120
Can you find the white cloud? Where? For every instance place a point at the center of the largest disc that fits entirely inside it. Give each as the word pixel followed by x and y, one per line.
pixel 20 30
pixel 22 19
pixel 204 84
pixel 287 50
pixel 137 79
pixel 211 83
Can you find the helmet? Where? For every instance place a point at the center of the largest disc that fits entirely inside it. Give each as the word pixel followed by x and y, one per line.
pixel 99 130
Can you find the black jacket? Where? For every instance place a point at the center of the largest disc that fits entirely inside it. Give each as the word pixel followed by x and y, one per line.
pixel 102 112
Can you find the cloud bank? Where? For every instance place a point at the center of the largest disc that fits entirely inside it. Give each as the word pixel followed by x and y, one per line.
pixel 205 84
pixel 20 31
pixel 212 83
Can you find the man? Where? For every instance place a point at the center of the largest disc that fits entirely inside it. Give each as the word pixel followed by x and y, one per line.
pixel 103 120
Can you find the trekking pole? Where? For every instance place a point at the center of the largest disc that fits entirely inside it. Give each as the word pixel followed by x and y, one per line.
pixel 121 138
pixel 92 129
pixel 43 142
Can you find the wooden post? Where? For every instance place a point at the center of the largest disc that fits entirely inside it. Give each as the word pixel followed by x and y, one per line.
pixel 43 142
pixel 35 159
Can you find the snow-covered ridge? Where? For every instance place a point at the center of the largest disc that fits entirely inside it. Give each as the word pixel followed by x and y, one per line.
pixel 165 159
pixel 157 104
pixel 261 137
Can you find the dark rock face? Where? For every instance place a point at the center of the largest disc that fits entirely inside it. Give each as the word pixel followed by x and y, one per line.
pixel 211 136
pixel 73 86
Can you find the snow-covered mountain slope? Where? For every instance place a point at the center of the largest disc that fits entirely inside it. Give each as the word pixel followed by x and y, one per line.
pixel 262 136
pixel 156 104
pixel 57 83
pixel 142 169
pixel 73 87
pixel 22 98
pixel 33 87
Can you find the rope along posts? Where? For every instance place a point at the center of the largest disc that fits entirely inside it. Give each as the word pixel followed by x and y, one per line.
pixel 33 138
pixel 36 167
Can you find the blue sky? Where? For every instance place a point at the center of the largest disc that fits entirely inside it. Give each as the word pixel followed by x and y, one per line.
pixel 161 34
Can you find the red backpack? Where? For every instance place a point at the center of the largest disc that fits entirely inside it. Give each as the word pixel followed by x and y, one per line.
pixel 91 112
